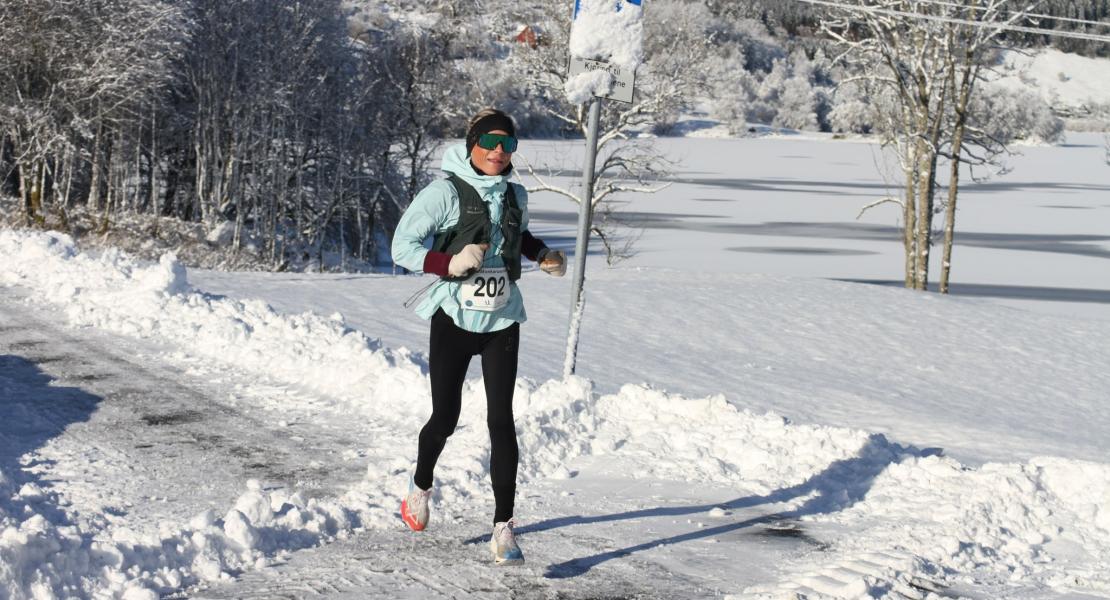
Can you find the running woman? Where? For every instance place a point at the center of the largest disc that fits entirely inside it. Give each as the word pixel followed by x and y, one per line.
pixel 479 224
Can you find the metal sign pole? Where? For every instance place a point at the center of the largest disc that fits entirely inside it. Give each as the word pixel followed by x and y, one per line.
pixel 585 213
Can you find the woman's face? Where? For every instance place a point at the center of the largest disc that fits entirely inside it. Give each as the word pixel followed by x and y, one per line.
pixel 491 162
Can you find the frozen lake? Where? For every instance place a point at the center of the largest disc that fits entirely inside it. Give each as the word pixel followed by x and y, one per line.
pixel 1035 237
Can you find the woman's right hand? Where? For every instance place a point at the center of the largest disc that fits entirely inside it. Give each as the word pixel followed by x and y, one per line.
pixel 468 260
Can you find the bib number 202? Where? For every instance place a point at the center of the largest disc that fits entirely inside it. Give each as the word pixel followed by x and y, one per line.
pixel 486 291
pixel 490 287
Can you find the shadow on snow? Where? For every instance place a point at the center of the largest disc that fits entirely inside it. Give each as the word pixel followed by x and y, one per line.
pixel 1015 292
pixel 34 413
pixel 839 486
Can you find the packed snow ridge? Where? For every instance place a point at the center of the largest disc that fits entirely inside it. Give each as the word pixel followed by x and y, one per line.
pixel 1046 520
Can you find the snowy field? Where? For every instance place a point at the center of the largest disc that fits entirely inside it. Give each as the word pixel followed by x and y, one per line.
pixel 748 420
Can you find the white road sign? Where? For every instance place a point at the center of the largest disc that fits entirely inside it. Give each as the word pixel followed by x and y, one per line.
pixel 624 80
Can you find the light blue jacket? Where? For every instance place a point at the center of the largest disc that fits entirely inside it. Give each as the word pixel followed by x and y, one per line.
pixel 436 209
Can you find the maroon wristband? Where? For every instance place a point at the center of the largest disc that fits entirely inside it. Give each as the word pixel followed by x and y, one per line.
pixel 531 246
pixel 437 263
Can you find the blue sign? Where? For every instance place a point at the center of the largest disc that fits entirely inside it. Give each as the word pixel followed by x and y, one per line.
pixel 620 5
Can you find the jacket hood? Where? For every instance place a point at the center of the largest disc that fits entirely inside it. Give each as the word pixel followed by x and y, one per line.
pixel 456 160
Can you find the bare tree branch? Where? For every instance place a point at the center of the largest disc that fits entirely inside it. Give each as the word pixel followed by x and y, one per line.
pixel 881 201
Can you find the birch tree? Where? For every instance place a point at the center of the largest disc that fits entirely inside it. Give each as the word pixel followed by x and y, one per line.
pixel 920 56
pixel 905 55
pixel 971 40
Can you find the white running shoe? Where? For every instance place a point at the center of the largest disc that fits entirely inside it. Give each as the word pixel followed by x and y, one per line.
pixel 503 544
pixel 414 508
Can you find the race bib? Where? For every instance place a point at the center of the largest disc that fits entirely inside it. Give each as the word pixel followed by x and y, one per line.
pixel 486 290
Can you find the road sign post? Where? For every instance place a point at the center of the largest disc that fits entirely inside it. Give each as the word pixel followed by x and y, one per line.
pixel 582 245
pixel 621 83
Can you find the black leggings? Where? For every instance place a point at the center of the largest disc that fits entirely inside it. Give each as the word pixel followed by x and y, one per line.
pixel 450 350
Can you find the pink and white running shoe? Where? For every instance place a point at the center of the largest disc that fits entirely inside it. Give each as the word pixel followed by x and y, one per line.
pixel 414 507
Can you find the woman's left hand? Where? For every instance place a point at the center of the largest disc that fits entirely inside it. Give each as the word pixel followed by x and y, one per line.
pixel 554 262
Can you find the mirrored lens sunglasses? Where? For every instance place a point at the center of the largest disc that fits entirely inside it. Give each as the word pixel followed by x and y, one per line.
pixel 489 141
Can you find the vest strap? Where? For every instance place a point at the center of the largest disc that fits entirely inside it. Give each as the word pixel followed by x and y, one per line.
pixel 474 226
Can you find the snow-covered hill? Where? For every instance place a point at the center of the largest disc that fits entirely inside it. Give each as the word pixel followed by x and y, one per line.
pixel 1073 85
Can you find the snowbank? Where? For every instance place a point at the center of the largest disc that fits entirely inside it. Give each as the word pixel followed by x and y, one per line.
pixel 1043 521
pixel 43 556
pixel 114 292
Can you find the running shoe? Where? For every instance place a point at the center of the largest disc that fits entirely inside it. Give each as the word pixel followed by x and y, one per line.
pixel 503 544
pixel 414 508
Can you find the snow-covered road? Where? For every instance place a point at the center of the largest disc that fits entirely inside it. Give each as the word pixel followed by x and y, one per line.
pixel 608 537
pixel 115 445
pixel 131 418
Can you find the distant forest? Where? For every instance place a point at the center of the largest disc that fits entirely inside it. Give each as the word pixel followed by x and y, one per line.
pixel 793 17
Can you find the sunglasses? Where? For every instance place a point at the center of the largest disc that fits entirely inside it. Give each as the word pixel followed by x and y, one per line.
pixel 489 141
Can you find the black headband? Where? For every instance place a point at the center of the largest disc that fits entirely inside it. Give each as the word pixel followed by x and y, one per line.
pixel 488 123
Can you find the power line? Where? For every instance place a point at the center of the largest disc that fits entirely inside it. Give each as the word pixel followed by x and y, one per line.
pixel 1029 15
pixel 983 25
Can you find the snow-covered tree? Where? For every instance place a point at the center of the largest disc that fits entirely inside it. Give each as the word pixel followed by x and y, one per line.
pixel 679 37
pixel 263 121
pixel 267 91
pixel 907 55
pixel 77 82
pixel 971 41
pixel 790 95
pixel 415 68
pixel 776 15
pixel 929 57
pixel 854 107
pixel 1006 114
pixel 732 88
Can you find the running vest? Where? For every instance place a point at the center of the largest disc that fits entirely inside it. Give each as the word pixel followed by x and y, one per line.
pixel 474 226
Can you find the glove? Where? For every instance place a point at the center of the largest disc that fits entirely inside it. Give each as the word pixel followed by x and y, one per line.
pixel 553 262
pixel 468 260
